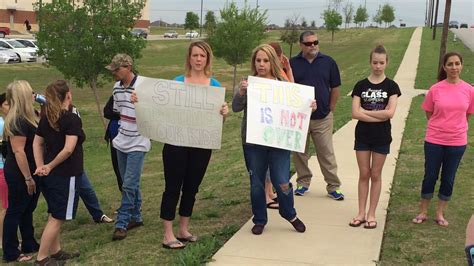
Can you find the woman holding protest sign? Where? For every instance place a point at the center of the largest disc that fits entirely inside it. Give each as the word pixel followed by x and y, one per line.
pixel 266 64
pixel 185 167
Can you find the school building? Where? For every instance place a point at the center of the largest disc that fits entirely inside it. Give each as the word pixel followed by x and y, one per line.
pixel 13 14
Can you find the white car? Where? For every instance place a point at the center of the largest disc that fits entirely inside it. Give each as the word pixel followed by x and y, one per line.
pixel 28 42
pixel 192 34
pixel 26 54
pixel 8 56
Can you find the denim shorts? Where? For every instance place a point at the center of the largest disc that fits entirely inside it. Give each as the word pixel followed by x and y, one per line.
pixel 382 149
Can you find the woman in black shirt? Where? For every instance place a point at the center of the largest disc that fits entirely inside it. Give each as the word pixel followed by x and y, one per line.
pixel 59 158
pixel 20 126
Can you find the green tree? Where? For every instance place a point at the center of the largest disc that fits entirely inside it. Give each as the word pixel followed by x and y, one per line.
pixel 210 22
pixel 388 14
pixel 237 33
pixel 191 21
pixel 332 20
pixel 304 23
pixel 80 40
pixel 291 34
pixel 361 16
pixel 378 16
pixel 348 11
pixel 313 24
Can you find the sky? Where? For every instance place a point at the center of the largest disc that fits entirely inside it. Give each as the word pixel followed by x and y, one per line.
pixel 411 12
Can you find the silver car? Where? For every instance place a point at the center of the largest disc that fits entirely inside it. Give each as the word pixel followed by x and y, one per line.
pixel 7 56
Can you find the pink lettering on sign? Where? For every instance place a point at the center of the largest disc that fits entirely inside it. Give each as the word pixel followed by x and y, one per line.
pixel 292 119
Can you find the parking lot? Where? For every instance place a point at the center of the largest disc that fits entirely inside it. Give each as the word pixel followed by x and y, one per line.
pixel 31 48
pixel 23 46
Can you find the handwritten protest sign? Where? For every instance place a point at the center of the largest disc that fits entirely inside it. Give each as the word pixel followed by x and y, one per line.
pixel 278 113
pixel 180 114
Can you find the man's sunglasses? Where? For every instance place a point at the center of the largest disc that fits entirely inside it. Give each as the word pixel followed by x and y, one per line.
pixel 311 43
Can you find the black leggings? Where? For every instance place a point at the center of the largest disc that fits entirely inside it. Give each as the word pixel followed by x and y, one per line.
pixel 113 154
pixel 184 169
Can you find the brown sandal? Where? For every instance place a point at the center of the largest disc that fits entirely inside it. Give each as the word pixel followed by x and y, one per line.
pixel 357 222
pixel 370 225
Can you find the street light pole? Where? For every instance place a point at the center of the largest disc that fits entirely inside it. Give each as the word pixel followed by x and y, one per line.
pixel 200 29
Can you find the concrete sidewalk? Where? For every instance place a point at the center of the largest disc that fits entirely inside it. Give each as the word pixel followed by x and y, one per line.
pixel 329 239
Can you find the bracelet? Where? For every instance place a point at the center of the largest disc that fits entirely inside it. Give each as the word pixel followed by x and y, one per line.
pixel 28 178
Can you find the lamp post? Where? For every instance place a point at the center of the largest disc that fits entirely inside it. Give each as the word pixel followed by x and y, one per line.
pixel 200 28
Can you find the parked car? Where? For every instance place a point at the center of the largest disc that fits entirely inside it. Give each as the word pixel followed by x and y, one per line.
pixel 4 31
pixel 454 24
pixel 463 25
pixel 139 33
pixel 27 54
pixel 170 34
pixel 28 43
pixel 8 56
pixel 192 34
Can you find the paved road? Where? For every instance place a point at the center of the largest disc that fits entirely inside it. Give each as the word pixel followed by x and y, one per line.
pixel 150 37
pixel 466 36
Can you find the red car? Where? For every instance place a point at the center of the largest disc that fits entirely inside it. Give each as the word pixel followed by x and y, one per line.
pixel 4 31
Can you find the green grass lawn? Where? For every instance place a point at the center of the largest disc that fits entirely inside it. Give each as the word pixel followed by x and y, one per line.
pixel 408 244
pixel 223 203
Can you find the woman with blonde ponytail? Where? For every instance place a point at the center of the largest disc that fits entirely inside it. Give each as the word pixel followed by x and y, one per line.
pixel 20 127
pixel 60 164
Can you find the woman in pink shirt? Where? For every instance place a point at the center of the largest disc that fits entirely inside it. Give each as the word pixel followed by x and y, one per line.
pixel 448 105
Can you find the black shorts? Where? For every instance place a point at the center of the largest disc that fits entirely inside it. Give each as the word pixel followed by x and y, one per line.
pixel 62 196
pixel 382 149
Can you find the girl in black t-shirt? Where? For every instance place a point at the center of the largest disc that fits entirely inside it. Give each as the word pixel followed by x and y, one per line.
pixel 20 126
pixel 58 154
pixel 373 104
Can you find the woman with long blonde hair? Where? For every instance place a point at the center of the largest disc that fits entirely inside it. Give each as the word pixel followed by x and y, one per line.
pixel 258 158
pixel 19 132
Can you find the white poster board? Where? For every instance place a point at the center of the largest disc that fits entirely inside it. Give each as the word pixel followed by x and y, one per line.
pixel 180 114
pixel 278 113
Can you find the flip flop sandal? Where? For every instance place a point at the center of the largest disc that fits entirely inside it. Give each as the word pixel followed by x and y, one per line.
pixel 170 245
pixel 23 258
pixel 357 222
pixel 442 223
pixel 370 225
pixel 419 219
pixel 271 205
pixel 190 239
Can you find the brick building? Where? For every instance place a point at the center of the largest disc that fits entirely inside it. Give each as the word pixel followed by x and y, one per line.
pixel 13 14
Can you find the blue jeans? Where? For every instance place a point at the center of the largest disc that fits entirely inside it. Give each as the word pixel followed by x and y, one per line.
pixel 258 159
pixel 88 196
pixel 446 159
pixel 130 165
pixel 19 215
